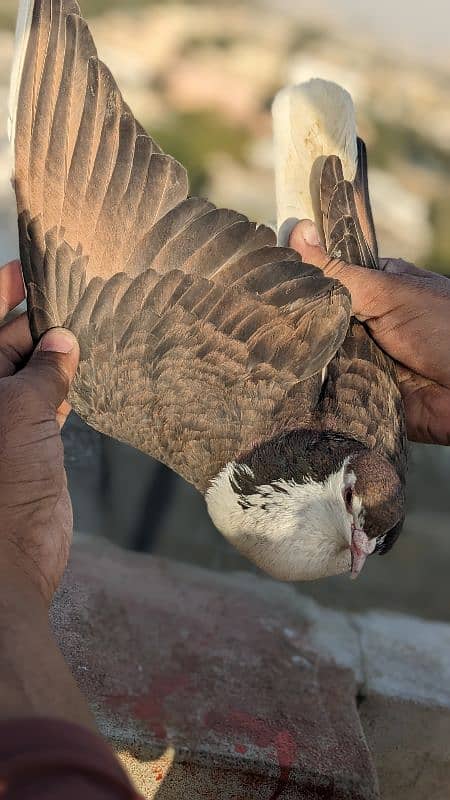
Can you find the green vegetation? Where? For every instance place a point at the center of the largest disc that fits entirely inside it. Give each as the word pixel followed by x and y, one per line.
pixel 305 36
pixel 90 8
pixel 195 43
pixel 439 258
pixel 8 14
pixel 193 137
pixel 398 142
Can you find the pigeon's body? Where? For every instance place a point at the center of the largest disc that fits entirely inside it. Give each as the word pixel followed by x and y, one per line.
pixel 202 343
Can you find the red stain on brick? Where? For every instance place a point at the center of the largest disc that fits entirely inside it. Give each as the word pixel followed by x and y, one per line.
pixel 149 707
pixel 286 748
pixel 262 734
pixel 240 748
pixel 158 773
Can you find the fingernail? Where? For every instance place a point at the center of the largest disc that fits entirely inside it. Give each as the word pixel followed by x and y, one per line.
pixel 57 341
pixel 387 264
pixel 311 234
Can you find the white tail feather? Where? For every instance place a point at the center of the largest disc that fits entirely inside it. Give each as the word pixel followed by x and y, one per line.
pixel 312 120
pixel 23 27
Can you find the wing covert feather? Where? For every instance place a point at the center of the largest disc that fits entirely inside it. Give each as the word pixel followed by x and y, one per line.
pixel 209 371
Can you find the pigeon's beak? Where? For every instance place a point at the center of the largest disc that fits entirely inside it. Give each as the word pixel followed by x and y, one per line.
pixel 361 547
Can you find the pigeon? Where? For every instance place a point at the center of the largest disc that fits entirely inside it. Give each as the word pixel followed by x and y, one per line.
pixel 203 343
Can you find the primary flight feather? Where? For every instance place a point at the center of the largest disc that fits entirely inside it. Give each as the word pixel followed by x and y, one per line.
pixel 202 342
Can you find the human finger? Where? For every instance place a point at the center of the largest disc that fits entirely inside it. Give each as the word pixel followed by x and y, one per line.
pixel 12 290
pixel 53 366
pixel 16 345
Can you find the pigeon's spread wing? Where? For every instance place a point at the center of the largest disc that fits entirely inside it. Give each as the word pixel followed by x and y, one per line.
pixel 360 366
pixel 195 330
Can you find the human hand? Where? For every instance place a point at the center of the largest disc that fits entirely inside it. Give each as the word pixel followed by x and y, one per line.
pixel 35 512
pixel 35 506
pixel 407 311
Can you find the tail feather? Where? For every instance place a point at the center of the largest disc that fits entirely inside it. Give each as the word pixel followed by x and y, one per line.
pixel 321 170
pixel 311 122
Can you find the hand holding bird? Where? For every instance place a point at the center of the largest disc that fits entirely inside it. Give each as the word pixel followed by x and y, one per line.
pixel 36 509
pixel 201 342
pixel 407 310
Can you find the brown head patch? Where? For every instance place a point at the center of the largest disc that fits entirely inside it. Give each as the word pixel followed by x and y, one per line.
pixel 382 495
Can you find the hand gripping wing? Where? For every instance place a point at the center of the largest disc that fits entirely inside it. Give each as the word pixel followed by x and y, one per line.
pixel 360 365
pixel 321 172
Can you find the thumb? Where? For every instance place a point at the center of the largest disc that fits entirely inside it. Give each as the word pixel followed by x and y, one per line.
pixel 53 365
pixel 367 287
pixel 305 239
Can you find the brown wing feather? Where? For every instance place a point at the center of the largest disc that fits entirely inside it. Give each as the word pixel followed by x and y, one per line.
pixel 193 327
pixel 344 236
pixel 196 375
pixel 363 207
pixel 361 397
pixel 361 394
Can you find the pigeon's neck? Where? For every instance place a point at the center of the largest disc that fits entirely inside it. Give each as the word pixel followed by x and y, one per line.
pixel 299 455
pixel 293 531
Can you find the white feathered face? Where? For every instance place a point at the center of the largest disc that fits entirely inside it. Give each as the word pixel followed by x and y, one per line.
pixel 292 531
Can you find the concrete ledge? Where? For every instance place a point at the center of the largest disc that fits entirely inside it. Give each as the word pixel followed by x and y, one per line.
pixel 406 710
pixel 234 687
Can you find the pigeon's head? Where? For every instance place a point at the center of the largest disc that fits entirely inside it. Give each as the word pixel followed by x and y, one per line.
pixel 304 527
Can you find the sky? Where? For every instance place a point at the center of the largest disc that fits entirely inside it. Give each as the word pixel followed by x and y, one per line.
pixel 420 26
pixel 424 25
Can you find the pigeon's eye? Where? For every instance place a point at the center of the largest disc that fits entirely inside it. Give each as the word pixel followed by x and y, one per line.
pixel 348 497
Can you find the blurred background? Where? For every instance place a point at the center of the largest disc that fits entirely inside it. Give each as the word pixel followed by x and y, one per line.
pixel 201 76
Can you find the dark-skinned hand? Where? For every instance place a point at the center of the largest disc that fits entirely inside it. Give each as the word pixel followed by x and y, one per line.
pixel 35 504
pixel 407 311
